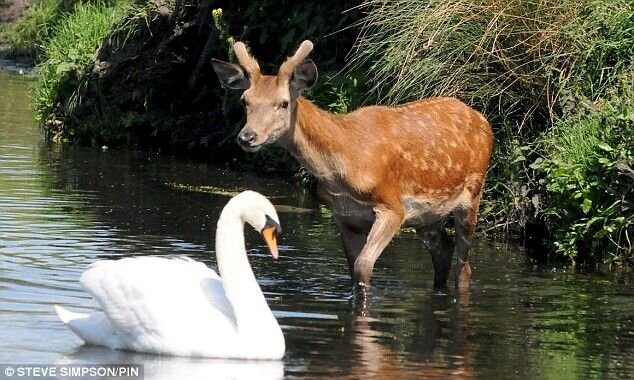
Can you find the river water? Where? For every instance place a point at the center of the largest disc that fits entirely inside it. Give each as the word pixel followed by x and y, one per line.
pixel 64 207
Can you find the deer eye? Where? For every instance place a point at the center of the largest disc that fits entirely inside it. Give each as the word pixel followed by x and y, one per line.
pixel 244 102
pixel 284 104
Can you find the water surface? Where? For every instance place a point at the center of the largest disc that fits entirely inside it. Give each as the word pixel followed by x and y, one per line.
pixel 64 207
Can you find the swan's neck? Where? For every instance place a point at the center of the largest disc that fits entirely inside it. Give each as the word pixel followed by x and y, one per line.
pixel 241 287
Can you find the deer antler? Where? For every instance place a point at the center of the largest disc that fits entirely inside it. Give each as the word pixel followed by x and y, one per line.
pixel 246 60
pixel 286 70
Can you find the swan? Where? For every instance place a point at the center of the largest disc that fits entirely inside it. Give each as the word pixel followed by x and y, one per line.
pixel 178 306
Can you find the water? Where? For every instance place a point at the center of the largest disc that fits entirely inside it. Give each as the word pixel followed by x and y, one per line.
pixel 63 207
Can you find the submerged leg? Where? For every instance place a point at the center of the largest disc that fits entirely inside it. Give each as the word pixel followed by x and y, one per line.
pixel 441 247
pixel 465 221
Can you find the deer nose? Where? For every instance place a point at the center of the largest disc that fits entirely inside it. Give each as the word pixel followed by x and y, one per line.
pixel 247 137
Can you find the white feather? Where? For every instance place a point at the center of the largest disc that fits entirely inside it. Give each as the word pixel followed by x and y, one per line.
pixel 180 306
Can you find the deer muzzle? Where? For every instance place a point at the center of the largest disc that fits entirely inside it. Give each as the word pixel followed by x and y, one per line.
pixel 247 139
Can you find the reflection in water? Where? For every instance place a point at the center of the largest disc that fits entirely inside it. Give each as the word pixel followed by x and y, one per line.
pixel 421 352
pixel 63 207
pixel 158 367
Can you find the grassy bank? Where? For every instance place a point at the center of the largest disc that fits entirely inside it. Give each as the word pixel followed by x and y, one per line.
pixel 554 77
pixel 67 58
pixel 587 166
pixel 26 35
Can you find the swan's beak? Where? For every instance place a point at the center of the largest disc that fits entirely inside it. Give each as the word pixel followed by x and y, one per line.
pixel 270 237
pixel 269 232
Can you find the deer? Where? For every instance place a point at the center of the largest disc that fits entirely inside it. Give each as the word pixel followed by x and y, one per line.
pixel 378 168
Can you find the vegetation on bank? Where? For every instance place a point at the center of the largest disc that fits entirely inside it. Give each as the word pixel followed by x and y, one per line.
pixel 554 77
pixel 67 54
pixel 26 35
pixel 589 177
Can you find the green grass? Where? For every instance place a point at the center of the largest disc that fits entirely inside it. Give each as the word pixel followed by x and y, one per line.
pixel 26 35
pixel 517 60
pixel 590 181
pixel 69 54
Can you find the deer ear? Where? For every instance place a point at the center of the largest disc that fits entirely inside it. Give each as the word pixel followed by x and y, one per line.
pixel 231 75
pixel 304 75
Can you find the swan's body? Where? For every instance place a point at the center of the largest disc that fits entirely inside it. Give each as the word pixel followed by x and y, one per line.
pixel 181 307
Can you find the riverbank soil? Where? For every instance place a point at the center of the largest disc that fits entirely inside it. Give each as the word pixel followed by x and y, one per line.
pixel 10 10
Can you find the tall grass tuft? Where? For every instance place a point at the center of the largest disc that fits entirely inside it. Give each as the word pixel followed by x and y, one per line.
pixel 26 35
pixel 69 53
pixel 517 59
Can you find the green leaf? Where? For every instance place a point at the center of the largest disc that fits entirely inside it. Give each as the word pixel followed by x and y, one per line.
pixel 586 205
pixel 605 147
pixel 536 164
pixel 63 68
pixel 593 220
pixel 605 161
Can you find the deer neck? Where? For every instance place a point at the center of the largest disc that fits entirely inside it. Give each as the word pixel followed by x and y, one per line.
pixel 316 139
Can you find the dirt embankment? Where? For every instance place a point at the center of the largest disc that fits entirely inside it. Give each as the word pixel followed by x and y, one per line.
pixel 10 10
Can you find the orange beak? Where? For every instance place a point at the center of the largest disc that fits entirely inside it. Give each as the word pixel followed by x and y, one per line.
pixel 270 237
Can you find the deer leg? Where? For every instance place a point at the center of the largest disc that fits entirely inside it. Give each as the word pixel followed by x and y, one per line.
pixel 386 224
pixel 441 246
pixel 353 226
pixel 464 221
pixel 353 240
